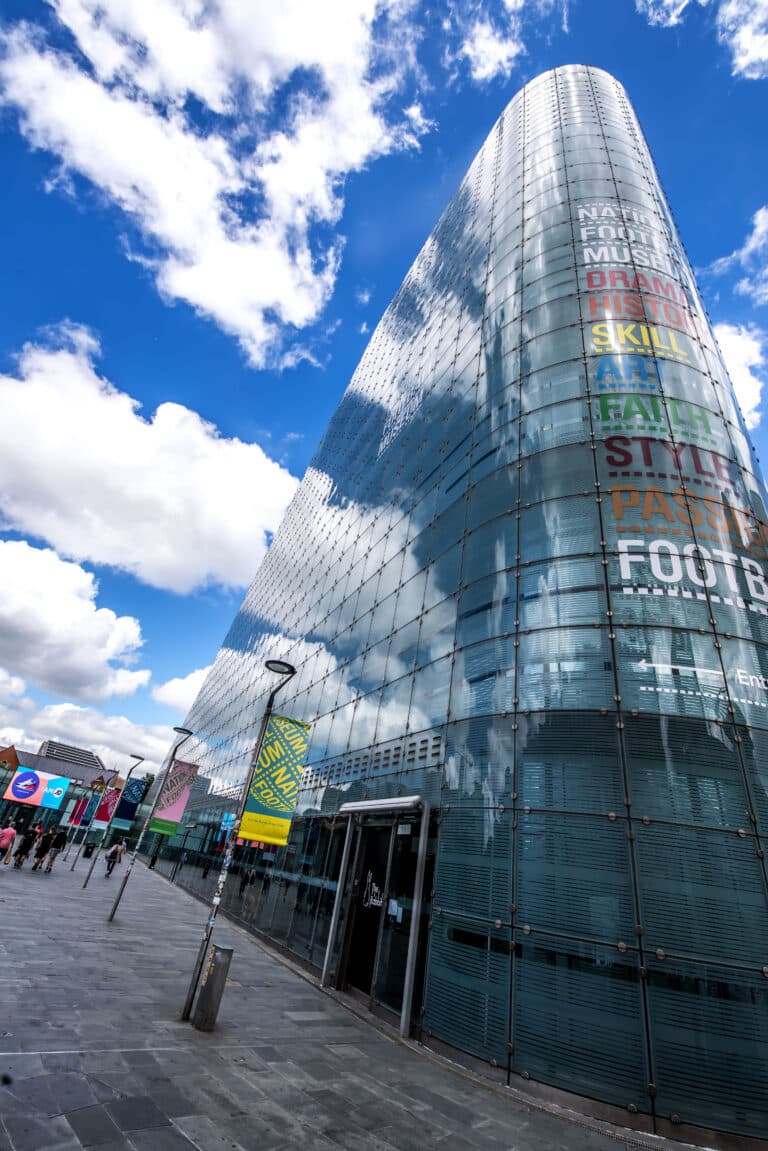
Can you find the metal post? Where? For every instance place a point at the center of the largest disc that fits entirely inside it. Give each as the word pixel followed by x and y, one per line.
pixel 70 840
pixel 185 736
pixel 105 833
pixel 74 829
pixel 82 841
pixel 413 939
pixel 180 859
pixel 337 902
pixel 232 838
pixel 78 827
pixel 90 821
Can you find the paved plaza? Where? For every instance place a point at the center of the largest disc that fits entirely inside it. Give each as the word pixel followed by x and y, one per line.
pixel 94 1055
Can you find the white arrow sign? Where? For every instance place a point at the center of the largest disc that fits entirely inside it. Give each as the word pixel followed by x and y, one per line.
pixel 645 665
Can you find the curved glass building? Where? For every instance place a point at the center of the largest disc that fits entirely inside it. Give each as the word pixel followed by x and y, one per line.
pixel 525 586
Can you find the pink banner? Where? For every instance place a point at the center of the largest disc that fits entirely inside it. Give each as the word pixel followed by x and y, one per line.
pixel 107 805
pixel 173 798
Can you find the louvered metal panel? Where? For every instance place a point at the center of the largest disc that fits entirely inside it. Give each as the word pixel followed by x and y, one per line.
pixel 578 1020
pixel 474 863
pixel 573 876
pixel 702 894
pixel 570 765
pixel 710 1039
pixel 467 989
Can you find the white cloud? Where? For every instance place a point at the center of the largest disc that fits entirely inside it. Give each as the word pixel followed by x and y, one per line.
pixel 182 691
pixel 13 686
pixel 53 633
pixel 752 257
pixel 666 13
pixel 224 131
pixel 112 737
pixel 228 204
pixel 743 347
pixel 490 51
pixel 743 26
pixel 166 498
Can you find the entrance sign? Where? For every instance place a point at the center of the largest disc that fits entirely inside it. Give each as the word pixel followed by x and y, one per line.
pixel 173 798
pixel 275 782
pixel 37 788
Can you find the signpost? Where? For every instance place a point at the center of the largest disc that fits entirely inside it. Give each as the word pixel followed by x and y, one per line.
pixel 130 800
pixel 274 784
pixel 172 800
pixel 185 734
pixel 94 803
pixel 287 671
pixel 111 814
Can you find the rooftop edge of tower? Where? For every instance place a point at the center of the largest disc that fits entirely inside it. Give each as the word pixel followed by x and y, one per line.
pixel 590 69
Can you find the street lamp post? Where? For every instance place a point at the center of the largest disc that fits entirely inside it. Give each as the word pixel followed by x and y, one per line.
pixel 76 827
pixel 87 826
pixel 180 859
pixel 287 671
pixel 139 760
pixel 185 734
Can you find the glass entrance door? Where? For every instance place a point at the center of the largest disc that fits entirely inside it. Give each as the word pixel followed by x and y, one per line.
pixel 368 897
pixel 396 918
pixel 380 911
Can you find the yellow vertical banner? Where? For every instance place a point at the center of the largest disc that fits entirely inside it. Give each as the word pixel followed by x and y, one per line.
pixel 275 782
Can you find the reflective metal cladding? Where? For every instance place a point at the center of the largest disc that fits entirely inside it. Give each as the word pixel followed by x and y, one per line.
pixel 526 579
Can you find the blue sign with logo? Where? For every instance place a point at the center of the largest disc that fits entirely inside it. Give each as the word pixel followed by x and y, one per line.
pixel 55 790
pixel 24 785
pixel 37 788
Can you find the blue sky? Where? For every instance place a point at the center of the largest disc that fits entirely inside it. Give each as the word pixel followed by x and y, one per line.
pixel 206 208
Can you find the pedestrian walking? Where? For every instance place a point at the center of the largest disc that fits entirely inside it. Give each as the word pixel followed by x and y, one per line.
pixel 26 843
pixel 7 840
pixel 58 844
pixel 42 848
pixel 113 857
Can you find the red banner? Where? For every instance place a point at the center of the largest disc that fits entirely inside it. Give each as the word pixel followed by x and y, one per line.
pixel 107 805
pixel 78 811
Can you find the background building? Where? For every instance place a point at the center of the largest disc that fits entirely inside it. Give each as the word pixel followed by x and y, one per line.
pixel 75 756
pixel 524 580
pixel 77 773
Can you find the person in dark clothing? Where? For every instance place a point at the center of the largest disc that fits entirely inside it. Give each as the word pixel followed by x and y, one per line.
pixel 26 843
pixel 113 857
pixel 58 844
pixel 42 848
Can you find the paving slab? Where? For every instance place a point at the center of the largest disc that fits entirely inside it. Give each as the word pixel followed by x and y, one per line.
pixel 95 1054
pixel 93 1125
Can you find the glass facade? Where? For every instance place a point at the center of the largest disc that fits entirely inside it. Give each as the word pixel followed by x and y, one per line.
pixel 526 579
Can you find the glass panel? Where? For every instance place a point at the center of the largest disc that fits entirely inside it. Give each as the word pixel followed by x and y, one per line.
pixel 577 1019
pixel 468 982
pixel 710 1044
pixel 526 575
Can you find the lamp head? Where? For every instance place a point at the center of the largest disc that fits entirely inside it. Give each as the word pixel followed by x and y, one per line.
pixel 182 731
pixel 280 667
